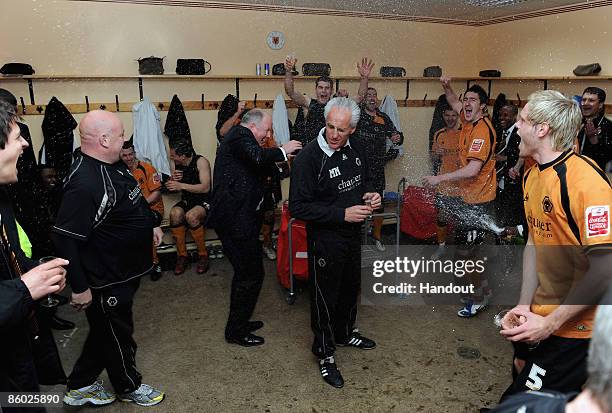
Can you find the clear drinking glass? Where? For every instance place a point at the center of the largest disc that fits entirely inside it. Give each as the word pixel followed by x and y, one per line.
pixel 51 301
pixel 368 203
pixel 502 322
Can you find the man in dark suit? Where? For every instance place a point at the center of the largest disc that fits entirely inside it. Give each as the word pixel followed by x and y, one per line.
pixel 236 215
pixel 509 200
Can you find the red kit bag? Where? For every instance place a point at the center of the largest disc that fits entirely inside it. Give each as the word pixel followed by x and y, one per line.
pixel 418 216
pixel 299 249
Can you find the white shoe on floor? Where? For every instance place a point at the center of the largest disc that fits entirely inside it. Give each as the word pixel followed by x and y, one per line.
pixel 379 245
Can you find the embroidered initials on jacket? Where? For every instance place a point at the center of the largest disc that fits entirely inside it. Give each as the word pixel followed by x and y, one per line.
pixel 334 172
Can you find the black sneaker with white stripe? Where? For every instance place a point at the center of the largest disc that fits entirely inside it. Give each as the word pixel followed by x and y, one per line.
pixel 330 372
pixel 359 341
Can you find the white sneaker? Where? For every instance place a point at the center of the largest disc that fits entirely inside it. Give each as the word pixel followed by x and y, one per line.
pixel 145 395
pixel 94 394
pixel 380 246
pixel 270 253
pixel 472 308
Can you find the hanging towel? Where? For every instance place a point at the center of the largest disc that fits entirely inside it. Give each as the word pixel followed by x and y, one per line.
pixel 389 107
pixel 176 123
pixel 148 139
pixel 280 121
pixel 57 128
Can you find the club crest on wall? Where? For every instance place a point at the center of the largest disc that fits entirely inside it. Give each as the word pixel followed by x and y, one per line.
pixel 276 40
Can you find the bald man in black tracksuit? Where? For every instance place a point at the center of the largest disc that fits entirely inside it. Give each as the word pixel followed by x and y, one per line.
pixel 328 187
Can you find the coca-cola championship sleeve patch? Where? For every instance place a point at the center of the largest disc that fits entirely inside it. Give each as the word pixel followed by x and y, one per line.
pixel 597 221
pixel 476 145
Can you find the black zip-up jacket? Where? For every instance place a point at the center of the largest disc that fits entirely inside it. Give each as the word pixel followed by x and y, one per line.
pixel 325 182
pixel 16 305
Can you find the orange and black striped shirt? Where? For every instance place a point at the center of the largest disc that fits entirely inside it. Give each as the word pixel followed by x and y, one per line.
pixel 567 206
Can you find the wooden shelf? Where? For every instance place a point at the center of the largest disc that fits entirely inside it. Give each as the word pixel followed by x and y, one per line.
pixel 256 78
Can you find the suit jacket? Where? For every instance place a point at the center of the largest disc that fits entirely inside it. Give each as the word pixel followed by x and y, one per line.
pixel 238 190
pixel 511 151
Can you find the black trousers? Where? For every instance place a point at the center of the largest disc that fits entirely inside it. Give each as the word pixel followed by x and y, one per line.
pixel 334 265
pixel 109 344
pixel 245 255
pixel 509 204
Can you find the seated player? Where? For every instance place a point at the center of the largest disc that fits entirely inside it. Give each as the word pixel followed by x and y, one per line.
pixel 149 181
pixel 191 176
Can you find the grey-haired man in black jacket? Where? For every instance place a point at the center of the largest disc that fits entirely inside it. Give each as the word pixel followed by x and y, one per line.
pixel 330 190
pixel 236 215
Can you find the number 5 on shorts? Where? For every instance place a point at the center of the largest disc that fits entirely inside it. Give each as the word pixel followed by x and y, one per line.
pixel 534 382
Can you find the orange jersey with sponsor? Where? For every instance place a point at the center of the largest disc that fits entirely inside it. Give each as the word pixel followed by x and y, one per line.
pixel 477 141
pixel 447 142
pixel 149 181
pixel 567 206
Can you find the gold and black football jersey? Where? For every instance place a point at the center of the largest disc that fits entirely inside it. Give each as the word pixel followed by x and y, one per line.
pixel 567 206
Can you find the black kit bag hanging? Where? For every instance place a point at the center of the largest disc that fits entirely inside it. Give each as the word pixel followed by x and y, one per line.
pixel 587 70
pixel 279 70
pixel 490 73
pixel 432 71
pixel 151 65
pixel 17 69
pixel 392 71
pixel 228 107
pixel 176 126
pixel 316 69
pixel 57 128
pixel 192 67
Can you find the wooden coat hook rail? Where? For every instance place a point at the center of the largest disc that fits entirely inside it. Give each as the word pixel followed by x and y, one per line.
pixel 116 106
pixel 193 105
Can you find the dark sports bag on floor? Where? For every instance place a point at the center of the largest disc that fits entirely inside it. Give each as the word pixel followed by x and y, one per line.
pixel 192 67
pixel 316 69
pixel 392 71
pixel 151 65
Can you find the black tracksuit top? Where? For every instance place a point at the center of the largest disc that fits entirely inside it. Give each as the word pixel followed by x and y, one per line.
pixel 323 186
